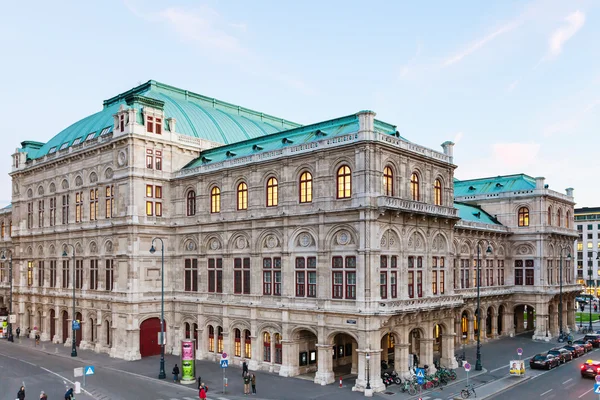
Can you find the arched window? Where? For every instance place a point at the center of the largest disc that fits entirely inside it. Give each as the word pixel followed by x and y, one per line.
pixel 388 181
pixel 191 203
pixel 107 332
pixel 550 215
pixel 187 330
pixel 437 192
pixel 215 200
pixel 568 219
pixel 247 344
pixel 211 338
pixel 344 182
pixel 306 189
pixel 523 216
pixel 242 196
pixel 238 343
pixel 266 347
pixel 414 186
pixel 272 192
pixel 219 339
pixel 559 217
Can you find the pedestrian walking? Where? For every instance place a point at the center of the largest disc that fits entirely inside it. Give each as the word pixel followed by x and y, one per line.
pixel 18 331
pixel 69 394
pixel 21 393
pixel 247 381
pixel 200 383
pixel 244 368
pixel 253 384
pixel 37 339
pixel 175 373
pixel 43 396
pixel 202 392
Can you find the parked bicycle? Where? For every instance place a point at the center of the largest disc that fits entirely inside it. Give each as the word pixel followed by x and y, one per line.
pixel 467 392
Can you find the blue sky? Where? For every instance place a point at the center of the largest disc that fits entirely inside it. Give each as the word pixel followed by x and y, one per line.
pixel 516 85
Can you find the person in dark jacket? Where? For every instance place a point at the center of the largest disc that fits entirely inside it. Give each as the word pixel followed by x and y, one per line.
pixel 244 368
pixel 21 393
pixel 69 394
pixel 18 331
pixel 175 373
pixel 43 396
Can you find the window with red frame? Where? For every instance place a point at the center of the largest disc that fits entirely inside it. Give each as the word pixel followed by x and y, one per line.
pixel 191 275
pixel 383 277
pixel 419 283
pixel 529 274
pixel 158 160
pixel 344 277
pixel 411 284
pixel 215 275
pixel 149 158
pixel 241 275
pixel 272 276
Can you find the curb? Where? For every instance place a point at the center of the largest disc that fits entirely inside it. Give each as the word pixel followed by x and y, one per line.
pixel 504 389
pixel 450 385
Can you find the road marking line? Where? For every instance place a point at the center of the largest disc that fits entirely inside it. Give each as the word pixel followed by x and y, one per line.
pixel 568 380
pixel 66 379
pixel 586 393
pixel 546 392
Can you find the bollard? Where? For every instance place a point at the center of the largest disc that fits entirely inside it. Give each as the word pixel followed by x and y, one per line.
pixel 340 381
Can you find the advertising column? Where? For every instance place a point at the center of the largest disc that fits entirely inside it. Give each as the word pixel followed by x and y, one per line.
pixel 188 361
pixel 3 327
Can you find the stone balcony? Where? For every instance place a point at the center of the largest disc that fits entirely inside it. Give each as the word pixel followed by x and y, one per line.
pixel 484 291
pixel 420 304
pixel 416 207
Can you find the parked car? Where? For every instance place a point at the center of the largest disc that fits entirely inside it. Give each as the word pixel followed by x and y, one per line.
pixel 544 361
pixel 581 300
pixel 594 338
pixel 562 354
pixel 590 369
pixel 575 349
pixel 586 344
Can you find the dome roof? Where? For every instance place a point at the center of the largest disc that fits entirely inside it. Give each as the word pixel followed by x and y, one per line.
pixel 196 115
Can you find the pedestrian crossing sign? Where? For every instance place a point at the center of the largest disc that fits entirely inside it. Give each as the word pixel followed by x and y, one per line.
pixel 420 373
pixel 89 370
pixel 597 388
pixel 224 363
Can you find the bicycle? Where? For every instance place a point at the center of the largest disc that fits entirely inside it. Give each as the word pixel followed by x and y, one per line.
pixel 467 392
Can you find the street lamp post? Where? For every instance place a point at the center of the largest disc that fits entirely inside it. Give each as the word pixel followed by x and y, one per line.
pixel 478 366
pixel 560 302
pixel 10 280
pixel 161 373
pixel 368 357
pixel 73 340
pixel 547 323
pixel 590 271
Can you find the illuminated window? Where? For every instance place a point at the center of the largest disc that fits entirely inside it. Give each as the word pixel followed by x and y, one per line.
pixel 93 204
pixel 388 181
pixel 29 273
pixel 306 192
pixel 414 186
pixel 242 196
pixel 78 206
pixel 437 192
pixel 110 201
pixel 272 192
pixel 344 182
pixel 215 200
pixel 523 216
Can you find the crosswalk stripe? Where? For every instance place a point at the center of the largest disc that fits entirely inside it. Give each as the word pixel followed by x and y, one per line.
pixel 189 398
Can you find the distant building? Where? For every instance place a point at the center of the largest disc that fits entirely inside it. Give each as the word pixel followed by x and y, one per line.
pixel 302 249
pixel 587 220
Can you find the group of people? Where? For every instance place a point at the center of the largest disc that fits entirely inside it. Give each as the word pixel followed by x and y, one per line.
pixel 43 396
pixel 248 379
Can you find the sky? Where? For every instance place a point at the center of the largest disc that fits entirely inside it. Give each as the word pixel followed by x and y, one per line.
pixel 515 84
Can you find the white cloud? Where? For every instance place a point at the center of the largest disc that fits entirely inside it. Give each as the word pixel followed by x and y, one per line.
pixel 478 44
pixel 457 137
pixel 514 156
pixel 560 36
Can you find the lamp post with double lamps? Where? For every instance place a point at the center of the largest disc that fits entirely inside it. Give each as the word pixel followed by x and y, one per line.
pixel 590 272
pixel 10 280
pixel 560 301
pixel 73 340
pixel 478 366
pixel 161 373
pixel 368 358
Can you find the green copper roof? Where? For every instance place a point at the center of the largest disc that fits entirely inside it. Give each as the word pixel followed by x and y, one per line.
pixel 293 137
pixel 196 115
pixel 467 212
pixel 499 184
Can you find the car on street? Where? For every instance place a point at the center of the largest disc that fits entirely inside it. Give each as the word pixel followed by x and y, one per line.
pixel 544 361
pixel 590 369
pixel 575 349
pixel 563 354
pixel 586 344
pixel 594 338
pixel 581 300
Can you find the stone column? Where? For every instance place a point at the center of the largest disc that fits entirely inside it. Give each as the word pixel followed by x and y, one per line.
pixel 426 354
pixel 482 327
pixel 272 364
pixel 495 332
pixel 520 322
pixel 290 364
pixel 447 357
pixel 471 329
pixel 254 362
pixel 354 368
pixel 509 323
pixel 458 329
pixel 401 359
pixel 374 373
pixel 324 375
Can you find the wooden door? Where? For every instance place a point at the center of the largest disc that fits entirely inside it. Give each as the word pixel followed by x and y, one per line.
pixel 52 324
pixel 149 330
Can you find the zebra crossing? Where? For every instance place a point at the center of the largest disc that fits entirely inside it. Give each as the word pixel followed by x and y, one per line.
pixel 193 398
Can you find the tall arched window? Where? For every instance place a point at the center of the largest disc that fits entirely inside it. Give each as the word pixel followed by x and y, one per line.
pixel 414 186
pixel 550 215
pixel 238 343
pixel 344 182
pixel 568 219
pixel 437 192
pixel 242 196
pixel 266 347
pixel 191 203
pixel 215 200
pixel 559 217
pixel 388 181
pixel 211 338
pixel 523 216
pixel 272 192
pixel 306 189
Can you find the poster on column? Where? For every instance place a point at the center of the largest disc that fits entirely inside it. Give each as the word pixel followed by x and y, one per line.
pixel 3 327
pixel 517 368
pixel 188 361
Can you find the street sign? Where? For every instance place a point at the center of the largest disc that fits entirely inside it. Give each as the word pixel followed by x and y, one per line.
pixel 12 318
pixel 78 372
pixel 164 337
pixel 597 388
pixel 467 366
pixel 598 378
pixel 89 370
pixel 224 356
pixel 520 351
pixel 224 363
pixel 420 381
pixel 420 373
pixel 76 326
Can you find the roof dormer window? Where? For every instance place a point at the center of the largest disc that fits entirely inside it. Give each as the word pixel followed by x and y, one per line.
pixel 90 136
pixel 52 150
pixel 154 125
pixel 106 131
pixel 63 146
pixel 76 141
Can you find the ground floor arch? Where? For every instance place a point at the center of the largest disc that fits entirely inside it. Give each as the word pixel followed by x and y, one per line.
pixel 65 326
pixel 149 337
pixel 52 324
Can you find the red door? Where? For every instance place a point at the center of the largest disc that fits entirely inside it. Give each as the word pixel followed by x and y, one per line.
pixel 78 332
pixel 149 330
pixel 52 325
pixel 65 323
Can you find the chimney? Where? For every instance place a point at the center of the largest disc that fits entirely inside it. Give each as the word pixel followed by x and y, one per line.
pixel 366 120
pixel 569 192
pixel 539 182
pixel 448 147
